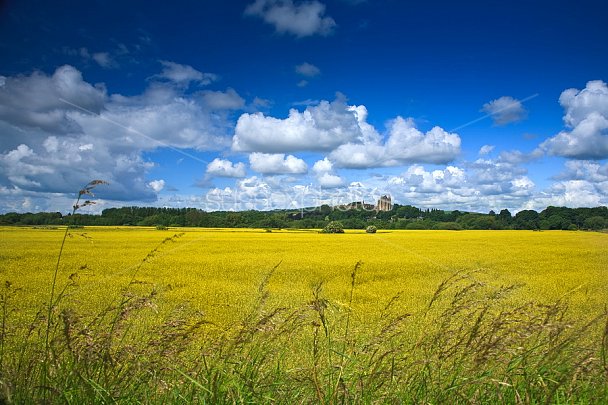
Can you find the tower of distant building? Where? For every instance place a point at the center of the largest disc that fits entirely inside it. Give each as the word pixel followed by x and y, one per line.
pixel 384 203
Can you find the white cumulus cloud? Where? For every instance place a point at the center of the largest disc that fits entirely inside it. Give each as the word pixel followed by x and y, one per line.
pixel 44 102
pixel 322 127
pixel 59 132
pixel 323 170
pixel 328 180
pixel 301 19
pixel 405 144
pixel 307 69
pixel 505 110
pixel 591 171
pixel 278 163
pixel 323 166
pixel 157 185
pixel 223 100
pixel 570 193
pixel 225 168
pixel 104 59
pixel 344 131
pixel 486 149
pixel 184 74
pixel 586 119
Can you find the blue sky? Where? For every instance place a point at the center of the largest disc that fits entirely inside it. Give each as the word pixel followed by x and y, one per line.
pixel 282 103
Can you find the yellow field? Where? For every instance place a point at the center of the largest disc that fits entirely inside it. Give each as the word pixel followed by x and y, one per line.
pixel 187 315
pixel 218 271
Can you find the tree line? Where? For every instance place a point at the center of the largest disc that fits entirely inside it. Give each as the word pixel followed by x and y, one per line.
pixel 400 217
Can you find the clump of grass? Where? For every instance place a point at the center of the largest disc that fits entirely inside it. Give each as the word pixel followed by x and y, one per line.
pixel 108 357
pixel 477 349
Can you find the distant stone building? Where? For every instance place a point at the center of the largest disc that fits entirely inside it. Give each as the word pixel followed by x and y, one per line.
pixel 356 205
pixel 384 203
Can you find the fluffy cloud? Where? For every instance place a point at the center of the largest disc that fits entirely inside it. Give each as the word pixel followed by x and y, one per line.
pixel 278 163
pixel 161 117
pixel 60 132
pixel 184 74
pixel 63 166
pixel 405 144
pixel 322 128
pixel 571 193
pixel 492 172
pixel 157 185
pixel 322 166
pixel 505 110
pixel 225 168
pixel 586 119
pixel 417 179
pixel 223 100
pixel 360 156
pixel 328 180
pixel 39 101
pixel 255 193
pixel 578 105
pixel 590 171
pixel 344 131
pixel 503 180
pixel 486 150
pixel 582 184
pixel 455 187
pixel 304 19
pixel 477 186
pixel 323 170
pixel 368 132
pixel 307 69
pixel 517 157
pixel 103 59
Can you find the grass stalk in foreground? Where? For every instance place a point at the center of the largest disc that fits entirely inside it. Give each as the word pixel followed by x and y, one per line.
pixel 86 190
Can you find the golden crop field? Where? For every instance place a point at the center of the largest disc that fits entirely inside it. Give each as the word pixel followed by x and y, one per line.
pixel 218 272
